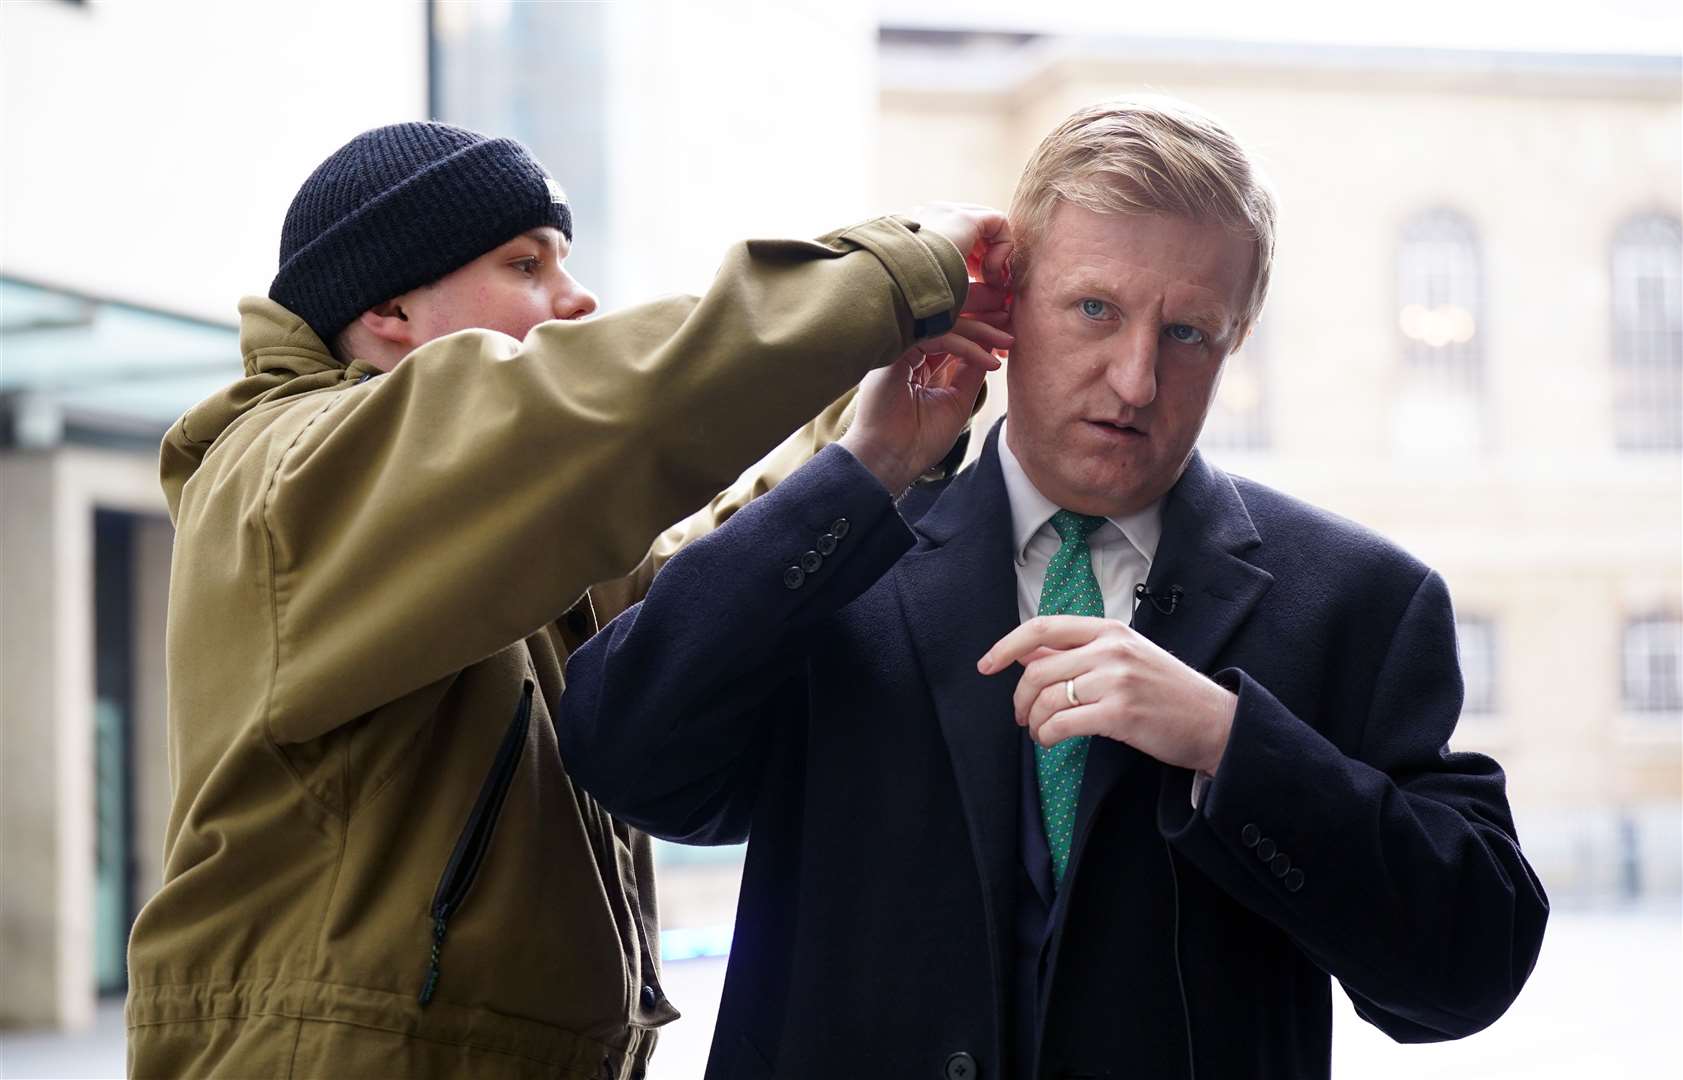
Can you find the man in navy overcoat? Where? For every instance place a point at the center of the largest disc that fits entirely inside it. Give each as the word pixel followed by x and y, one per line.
pixel 1103 762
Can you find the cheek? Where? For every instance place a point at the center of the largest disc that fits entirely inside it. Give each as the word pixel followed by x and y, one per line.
pixel 518 312
pixel 439 319
pixel 1188 385
pixel 1183 397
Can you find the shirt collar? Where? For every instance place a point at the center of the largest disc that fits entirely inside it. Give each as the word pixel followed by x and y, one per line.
pixel 1030 511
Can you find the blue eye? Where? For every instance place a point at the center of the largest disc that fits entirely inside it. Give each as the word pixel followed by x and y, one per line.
pixel 1093 309
pixel 1186 335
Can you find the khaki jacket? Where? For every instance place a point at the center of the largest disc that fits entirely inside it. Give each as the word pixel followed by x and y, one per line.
pixel 375 862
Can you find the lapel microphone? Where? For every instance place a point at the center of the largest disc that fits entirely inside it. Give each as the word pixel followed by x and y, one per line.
pixel 1165 601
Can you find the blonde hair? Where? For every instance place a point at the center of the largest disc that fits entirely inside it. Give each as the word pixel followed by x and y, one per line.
pixel 1147 155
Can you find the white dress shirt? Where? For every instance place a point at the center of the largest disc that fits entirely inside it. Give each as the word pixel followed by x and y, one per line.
pixel 1122 550
pixel 1122 547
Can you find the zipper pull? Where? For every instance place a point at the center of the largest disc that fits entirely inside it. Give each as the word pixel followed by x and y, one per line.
pixel 438 927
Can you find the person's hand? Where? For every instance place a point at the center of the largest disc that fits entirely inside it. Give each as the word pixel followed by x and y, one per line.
pixel 980 233
pixel 1128 689
pixel 911 411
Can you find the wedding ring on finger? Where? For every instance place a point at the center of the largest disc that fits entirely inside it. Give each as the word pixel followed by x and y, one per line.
pixel 1069 692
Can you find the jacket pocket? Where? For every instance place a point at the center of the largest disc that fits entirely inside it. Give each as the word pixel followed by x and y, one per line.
pixel 475 838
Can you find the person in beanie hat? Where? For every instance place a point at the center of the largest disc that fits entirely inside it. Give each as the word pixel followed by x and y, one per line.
pixel 434 481
pixel 399 207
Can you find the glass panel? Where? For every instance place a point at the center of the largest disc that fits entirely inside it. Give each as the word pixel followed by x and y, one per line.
pixel 1476 639
pixel 1440 316
pixel 111 848
pixel 1647 284
pixel 107 365
pixel 1653 665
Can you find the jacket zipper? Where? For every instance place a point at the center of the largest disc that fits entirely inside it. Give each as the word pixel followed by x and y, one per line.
pixel 475 838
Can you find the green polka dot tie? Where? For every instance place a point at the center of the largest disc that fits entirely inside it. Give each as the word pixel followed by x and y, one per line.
pixel 1070 589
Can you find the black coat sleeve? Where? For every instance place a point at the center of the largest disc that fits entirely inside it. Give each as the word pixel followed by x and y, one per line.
pixel 1397 868
pixel 669 710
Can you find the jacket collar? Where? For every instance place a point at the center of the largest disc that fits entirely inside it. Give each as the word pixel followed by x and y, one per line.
pixel 283 357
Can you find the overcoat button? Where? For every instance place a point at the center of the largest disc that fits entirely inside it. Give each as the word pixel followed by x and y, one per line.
pixel 839 528
pixel 811 561
pixel 1294 879
pixel 1280 864
pixel 1265 849
pixel 960 1066
pixel 1250 834
pixel 650 998
pixel 794 577
pixel 826 544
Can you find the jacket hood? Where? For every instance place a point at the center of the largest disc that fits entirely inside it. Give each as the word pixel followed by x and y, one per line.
pixel 283 357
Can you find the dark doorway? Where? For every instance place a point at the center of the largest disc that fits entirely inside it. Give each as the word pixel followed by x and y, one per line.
pixel 114 906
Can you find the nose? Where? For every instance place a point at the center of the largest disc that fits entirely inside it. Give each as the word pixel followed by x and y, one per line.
pixel 1132 373
pixel 572 300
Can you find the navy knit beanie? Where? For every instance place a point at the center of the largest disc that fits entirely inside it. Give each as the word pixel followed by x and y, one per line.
pixel 399 207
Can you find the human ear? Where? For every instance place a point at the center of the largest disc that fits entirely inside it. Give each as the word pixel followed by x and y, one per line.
pixel 388 323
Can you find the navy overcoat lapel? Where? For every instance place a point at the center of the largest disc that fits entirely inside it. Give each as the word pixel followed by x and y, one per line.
pixel 959 593
pixel 1206 533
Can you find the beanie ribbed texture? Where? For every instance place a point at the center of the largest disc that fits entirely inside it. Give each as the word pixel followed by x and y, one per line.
pixel 399 207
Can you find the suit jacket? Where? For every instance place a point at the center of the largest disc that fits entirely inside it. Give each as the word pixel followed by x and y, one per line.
pixel 806 678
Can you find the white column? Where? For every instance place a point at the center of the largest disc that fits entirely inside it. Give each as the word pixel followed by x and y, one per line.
pixel 46 798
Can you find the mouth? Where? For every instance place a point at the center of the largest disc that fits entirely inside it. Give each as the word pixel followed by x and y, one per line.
pixel 1116 429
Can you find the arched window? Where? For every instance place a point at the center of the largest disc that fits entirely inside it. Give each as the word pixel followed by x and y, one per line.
pixel 1648 334
pixel 1440 314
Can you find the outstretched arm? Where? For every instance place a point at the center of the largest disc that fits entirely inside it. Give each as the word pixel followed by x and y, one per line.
pixel 424 519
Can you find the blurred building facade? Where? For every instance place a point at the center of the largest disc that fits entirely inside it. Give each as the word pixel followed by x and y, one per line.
pixel 1472 345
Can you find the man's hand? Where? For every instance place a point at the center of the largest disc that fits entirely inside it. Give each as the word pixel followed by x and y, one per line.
pixel 1127 687
pixel 911 411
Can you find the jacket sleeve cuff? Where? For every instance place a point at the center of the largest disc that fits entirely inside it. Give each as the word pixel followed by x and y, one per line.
pixel 929 271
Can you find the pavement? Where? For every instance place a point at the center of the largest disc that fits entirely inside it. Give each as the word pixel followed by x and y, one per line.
pixel 1605 1002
